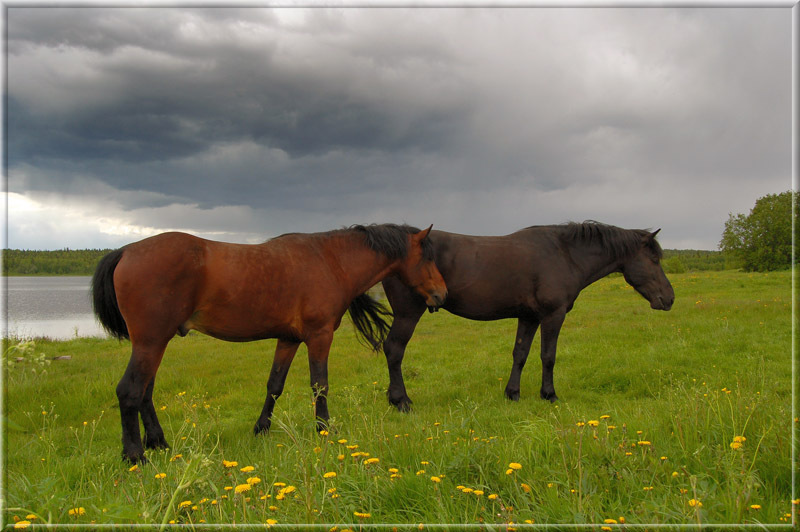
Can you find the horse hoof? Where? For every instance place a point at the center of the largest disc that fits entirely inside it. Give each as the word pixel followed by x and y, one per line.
pixel 260 429
pixel 134 458
pixel 552 397
pixel 512 396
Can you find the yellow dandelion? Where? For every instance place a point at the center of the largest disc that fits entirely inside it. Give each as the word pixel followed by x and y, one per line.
pixel 735 445
pixel 421 472
pixel 329 474
pixel 184 504
pixel 424 462
pixel 228 464
pixel 694 503
pixel 478 493
pixel 515 466
pixel 241 488
pixel 605 416
pixel 352 447
pixel 492 496
pixel 340 457
pixel 593 423
pixel 362 515
pixel 247 469
pixel 77 511
pixel 134 467
pixel 740 439
pixel 271 522
pixel 393 470
pixel 273 508
pixel 755 506
pixel 610 521
pixel 580 424
pixel 467 490
pixel 31 517
pixel 342 441
pixel 161 475
pixel 22 524
pixel 525 487
pixel 643 443
pixel 605 528
pixel 323 432
pixel 435 480
pixel 279 484
pixel 509 471
pixel 175 457
pixel 372 460
pixel 253 481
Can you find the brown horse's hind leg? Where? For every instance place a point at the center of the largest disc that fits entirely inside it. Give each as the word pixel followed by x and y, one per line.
pixel 153 433
pixel 131 392
pixel 526 330
pixel 284 354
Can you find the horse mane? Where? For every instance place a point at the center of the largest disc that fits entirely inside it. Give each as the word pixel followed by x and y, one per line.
pixel 391 239
pixel 618 242
pixel 387 239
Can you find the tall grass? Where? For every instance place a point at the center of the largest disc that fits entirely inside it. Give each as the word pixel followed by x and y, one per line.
pixel 664 418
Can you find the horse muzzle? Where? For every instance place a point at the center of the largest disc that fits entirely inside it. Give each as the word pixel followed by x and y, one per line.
pixel 435 300
pixel 662 303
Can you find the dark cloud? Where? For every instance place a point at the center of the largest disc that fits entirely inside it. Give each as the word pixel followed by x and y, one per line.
pixel 487 119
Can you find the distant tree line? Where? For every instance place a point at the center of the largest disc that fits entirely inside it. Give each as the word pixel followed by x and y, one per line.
pixel 762 240
pixel 61 262
pixel 690 260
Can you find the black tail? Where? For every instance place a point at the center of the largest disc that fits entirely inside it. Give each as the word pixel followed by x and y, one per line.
pixel 104 296
pixel 369 319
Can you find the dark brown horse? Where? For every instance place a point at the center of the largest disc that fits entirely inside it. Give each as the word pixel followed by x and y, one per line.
pixel 533 275
pixel 295 288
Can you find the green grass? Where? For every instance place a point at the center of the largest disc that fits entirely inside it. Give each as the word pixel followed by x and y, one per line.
pixel 677 387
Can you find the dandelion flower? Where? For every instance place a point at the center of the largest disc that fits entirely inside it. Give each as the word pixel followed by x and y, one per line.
pixel 421 472
pixel 372 460
pixel 22 524
pixel 467 490
pixel 134 467
pixel 340 457
pixel 362 515
pixel 241 488
pixel 605 528
pixel 605 416
pixel 643 443
pixel 323 432
pixel 184 504
pixel 610 521
pixel 271 522
pixel 525 487
pixel 279 484
pixel 31 517
pixel 228 464
pixel 253 481
pixel 247 469
pixel 515 466
pixel 435 480
pixel 329 474
pixel 161 475
pixel 393 470
pixel 509 471
pixel 77 511
pixel 695 503
pixel 175 457
pixel 735 445
pixel 593 423
pixel 755 506
pixel 478 492
pixel 740 439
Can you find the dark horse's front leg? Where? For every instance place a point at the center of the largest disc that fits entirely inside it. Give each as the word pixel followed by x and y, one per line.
pixel 551 326
pixel 526 330
pixel 319 347
pixel 284 354
pixel 407 309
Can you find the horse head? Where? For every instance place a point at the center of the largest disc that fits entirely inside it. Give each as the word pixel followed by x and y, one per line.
pixel 418 270
pixel 644 273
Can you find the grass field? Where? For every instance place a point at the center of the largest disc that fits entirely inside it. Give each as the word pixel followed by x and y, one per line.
pixel 680 417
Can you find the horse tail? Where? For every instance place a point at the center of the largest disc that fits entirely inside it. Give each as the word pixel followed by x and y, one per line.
pixel 370 320
pixel 104 296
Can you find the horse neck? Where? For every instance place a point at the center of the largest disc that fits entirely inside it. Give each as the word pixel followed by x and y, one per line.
pixel 594 262
pixel 360 267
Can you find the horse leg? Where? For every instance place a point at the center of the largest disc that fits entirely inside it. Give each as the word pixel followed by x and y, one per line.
pixel 284 354
pixel 153 433
pixel 319 347
pixel 551 326
pixel 526 330
pixel 407 312
pixel 131 392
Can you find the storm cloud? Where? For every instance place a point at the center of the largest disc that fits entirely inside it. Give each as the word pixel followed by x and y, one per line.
pixel 246 123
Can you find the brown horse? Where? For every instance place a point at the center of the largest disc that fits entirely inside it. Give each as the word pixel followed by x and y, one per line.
pixel 295 288
pixel 533 275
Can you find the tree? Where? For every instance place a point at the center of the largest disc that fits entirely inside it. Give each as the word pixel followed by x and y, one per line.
pixel 762 240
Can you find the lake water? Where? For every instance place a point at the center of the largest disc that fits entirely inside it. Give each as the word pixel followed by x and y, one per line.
pixel 54 307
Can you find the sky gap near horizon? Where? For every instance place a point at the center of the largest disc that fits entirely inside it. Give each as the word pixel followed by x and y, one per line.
pixel 240 124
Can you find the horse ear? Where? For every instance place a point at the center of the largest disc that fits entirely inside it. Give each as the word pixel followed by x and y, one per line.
pixel 422 235
pixel 654 233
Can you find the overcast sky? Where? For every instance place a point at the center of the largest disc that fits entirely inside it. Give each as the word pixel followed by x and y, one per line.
pixel 242 124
